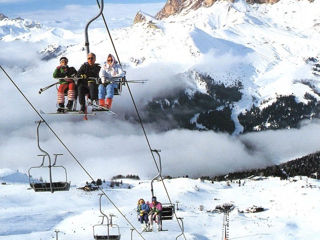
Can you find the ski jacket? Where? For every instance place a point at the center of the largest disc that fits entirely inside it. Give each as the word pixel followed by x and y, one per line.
pixel 88 71
pixel 155 208
pixel 62 72
pixel 143 209
pixel 108 71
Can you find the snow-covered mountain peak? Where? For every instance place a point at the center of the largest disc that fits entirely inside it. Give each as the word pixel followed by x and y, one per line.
pixel 2 16
pixel 11 28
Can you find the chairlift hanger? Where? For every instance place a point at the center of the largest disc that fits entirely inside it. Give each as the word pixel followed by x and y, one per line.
pixel 167 208
pixel 109 225
pixel 50 186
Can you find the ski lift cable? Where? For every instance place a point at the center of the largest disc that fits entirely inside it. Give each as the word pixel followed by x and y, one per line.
pixel 140 119
pixel 68 150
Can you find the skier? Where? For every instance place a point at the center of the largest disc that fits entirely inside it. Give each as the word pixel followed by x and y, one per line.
pixel 155 213
pixel 109 70
pixel 86 84
pixel 143 211
pixel 64 71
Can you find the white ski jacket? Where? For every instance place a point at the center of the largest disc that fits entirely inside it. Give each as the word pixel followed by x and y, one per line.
pixel 110 70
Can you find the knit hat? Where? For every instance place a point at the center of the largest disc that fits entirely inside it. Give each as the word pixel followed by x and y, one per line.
pixel 63 58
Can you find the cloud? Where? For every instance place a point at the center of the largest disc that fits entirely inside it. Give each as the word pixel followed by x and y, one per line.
pixel 109 145
pixel 78 15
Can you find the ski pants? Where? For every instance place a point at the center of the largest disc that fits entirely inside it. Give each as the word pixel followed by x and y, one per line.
pixel 156 217
pixel 107 90
pixel 64 87
pixel 144 218
pixel 91 88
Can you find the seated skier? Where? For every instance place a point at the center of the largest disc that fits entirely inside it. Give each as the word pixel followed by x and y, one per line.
pixel 143 211
pixel 110 70
pixel 63 71
pixel 87 85
pixel 155 213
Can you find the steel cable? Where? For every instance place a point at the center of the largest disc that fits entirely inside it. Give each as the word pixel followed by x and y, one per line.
pixel 140 119
pixel 69 151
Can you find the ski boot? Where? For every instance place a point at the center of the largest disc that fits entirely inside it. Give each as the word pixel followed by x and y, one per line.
pixel 70 105
pixel 109 103
pixel 82 109
pixel 143 227
pixel 61 108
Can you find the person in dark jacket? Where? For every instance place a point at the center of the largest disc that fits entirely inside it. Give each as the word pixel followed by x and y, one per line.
pixel 63 71
pixel 89 74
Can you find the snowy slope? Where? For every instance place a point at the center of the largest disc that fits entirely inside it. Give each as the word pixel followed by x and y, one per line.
pixel 291 210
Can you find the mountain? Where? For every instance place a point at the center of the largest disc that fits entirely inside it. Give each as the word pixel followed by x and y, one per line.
pixel 11 28
pixel 229 66
pixel 305 166
pixel 260 49
pixel 173 7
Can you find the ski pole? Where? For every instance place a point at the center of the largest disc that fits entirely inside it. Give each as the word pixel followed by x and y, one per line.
pixel 47 87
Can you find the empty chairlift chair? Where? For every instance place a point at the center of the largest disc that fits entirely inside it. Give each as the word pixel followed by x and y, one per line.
pixel 107 230
pixel 48 185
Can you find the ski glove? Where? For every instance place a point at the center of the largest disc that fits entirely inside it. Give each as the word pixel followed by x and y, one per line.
pixel 83 76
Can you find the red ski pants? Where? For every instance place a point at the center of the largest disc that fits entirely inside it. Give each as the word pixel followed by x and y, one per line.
pixel 66 87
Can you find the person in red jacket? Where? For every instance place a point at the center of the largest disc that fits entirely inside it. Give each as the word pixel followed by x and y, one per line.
pixel 63 71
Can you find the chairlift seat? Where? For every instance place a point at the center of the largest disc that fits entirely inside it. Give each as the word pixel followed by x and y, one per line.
pixel 118 89
pixel 167 211
pixel 109 237
pixel 45 187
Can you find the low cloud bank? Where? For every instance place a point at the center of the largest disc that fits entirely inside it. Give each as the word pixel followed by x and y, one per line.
pixel 110 147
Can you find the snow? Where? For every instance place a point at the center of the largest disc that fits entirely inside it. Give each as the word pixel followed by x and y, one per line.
pixel 290 209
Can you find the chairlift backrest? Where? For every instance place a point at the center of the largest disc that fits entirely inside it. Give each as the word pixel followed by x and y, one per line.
pixel 167 211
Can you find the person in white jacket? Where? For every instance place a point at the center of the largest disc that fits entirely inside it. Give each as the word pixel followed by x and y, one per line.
pixel 109 73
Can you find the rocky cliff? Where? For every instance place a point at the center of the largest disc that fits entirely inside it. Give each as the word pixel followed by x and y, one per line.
pixel 176 6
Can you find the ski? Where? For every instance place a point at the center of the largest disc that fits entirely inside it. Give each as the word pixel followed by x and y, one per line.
pixel 97 108
pixel 67 113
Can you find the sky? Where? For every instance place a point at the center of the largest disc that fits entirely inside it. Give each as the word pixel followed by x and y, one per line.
pixel 73 15
pixel 16 7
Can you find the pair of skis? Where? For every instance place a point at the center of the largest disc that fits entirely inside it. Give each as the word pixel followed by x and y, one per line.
pixel 95 109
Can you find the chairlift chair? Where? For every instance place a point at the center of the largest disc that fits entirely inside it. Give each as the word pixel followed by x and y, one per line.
pixel 120 80
pixel 109 226
pixel 50 185
pixel 168 209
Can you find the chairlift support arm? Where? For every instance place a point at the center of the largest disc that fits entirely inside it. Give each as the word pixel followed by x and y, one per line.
pixel 47 154
pixel 182 227
pixel 158 167
pixel 87 26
